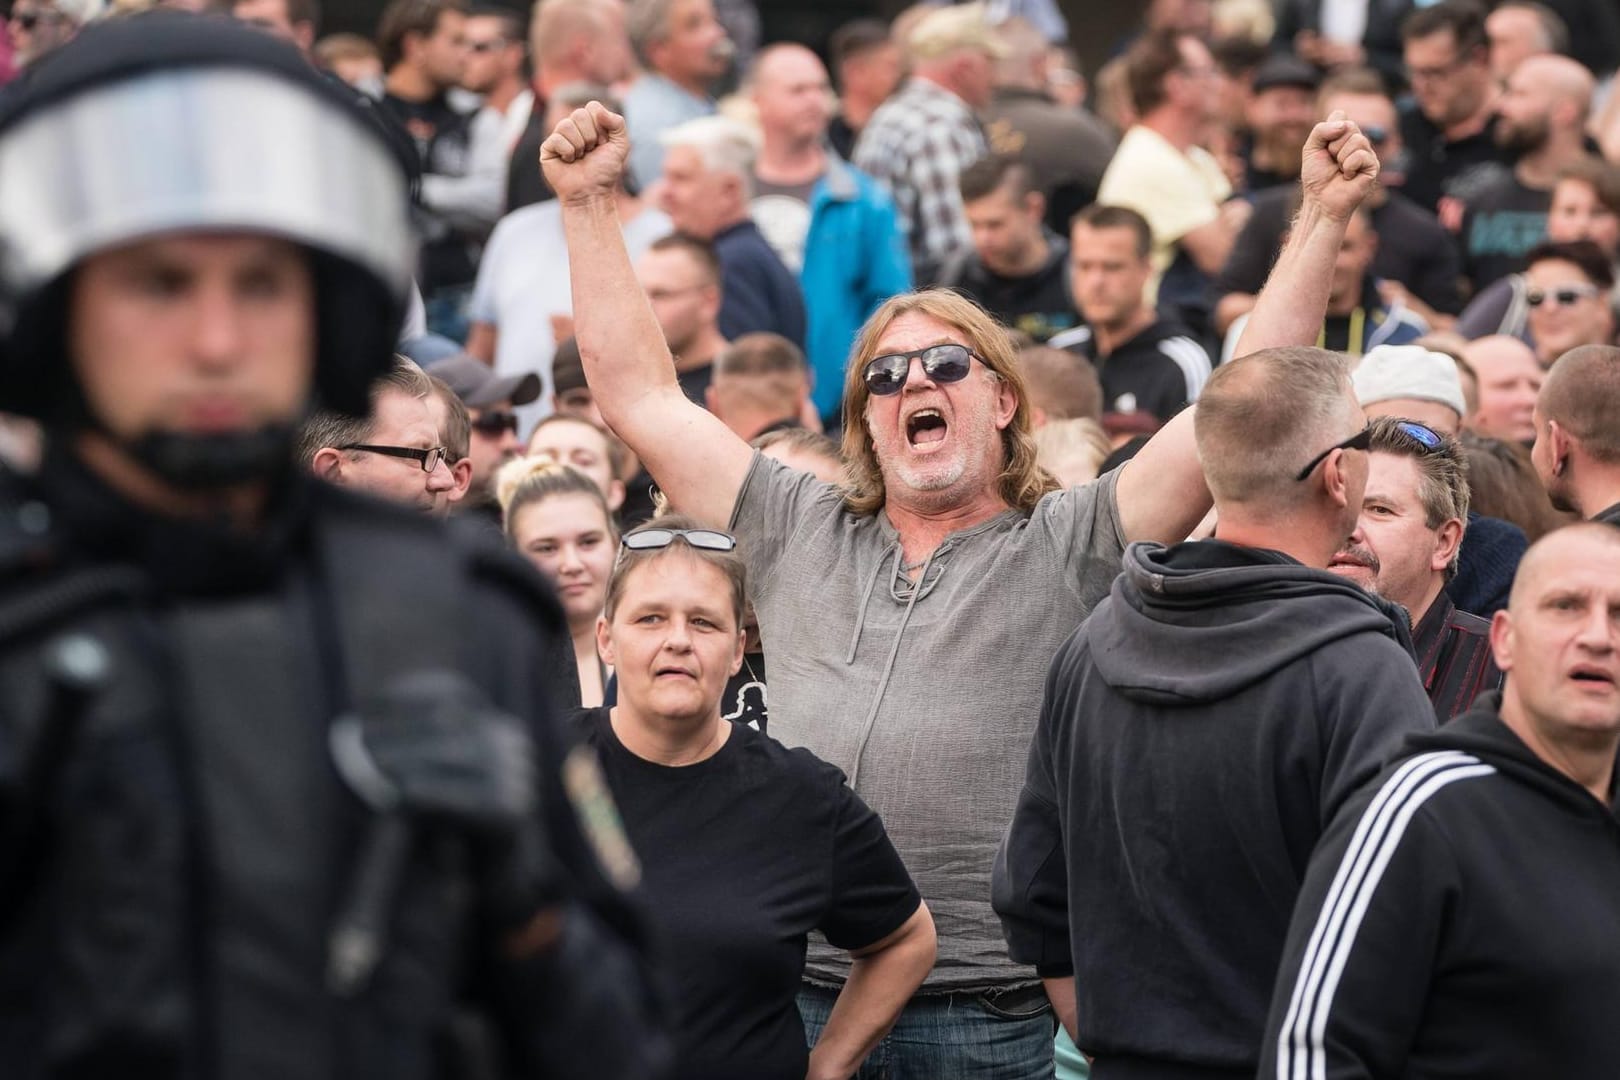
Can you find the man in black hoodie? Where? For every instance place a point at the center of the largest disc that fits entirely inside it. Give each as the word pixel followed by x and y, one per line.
pixel 1458 918
pixel 1175 790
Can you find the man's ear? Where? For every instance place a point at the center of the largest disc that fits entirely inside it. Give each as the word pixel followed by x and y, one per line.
pixel 1333 480
pixel 328 465
pixel 615 494
pixel 604 644
pixel 1449 540
pixel 462 471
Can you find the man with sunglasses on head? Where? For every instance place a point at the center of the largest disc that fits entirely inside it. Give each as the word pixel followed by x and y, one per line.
pixel 1405 548
pixel 1200 729
pixel 490 400
pixel 915 610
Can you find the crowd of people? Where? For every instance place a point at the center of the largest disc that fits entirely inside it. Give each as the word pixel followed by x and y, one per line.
pixel 591 544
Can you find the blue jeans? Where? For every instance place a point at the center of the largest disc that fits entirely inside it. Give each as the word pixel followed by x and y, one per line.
pixel 949 1037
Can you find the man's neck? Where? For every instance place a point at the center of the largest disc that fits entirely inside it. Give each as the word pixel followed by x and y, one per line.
pixel 942 83
pixel 667 741
pixel 1418 610
pixel 701 350
pixel 1033 259
pixel 789 162
pixel 1475 122
pixel 242 506
pixel 1340 307
pixel 1174 127
pixel 750 423
pixel 923 527
pixel 1297 535
pixel 1539 169
pixel 502 95
pixel 698 87
pixel 1109 338
pixel 1597 494
pixel 409 83
pixel 857 111
pixel 1586 758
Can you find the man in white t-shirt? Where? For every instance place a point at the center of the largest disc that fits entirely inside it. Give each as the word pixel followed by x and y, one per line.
pixel 521 305
pixel 1162 173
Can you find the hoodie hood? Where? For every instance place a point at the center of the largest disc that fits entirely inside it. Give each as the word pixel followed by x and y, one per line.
pixel 1481 732
pixel 1200 621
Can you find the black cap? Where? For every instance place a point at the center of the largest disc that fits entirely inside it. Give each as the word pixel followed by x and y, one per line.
pixel 1285 69
pixel 477 385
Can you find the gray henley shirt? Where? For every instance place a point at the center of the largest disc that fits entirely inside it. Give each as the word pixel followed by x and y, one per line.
pixel 926 697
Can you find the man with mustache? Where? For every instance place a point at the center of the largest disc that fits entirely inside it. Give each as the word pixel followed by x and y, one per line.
pixel 1405 547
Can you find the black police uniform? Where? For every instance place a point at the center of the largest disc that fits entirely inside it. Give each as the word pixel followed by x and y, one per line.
pixel 291 802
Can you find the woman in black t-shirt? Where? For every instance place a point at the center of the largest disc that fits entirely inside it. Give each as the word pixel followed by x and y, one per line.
pixel 746 846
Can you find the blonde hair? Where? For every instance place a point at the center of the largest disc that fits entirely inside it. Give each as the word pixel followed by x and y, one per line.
pixel 524 482
pixel 1072 450
pixel 1022 481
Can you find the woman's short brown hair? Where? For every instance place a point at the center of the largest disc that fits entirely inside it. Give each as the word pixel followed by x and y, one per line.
pixel 728 563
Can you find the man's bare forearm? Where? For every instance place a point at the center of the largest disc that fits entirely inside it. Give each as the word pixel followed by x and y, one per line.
pixel 620 343
pixel 1290 309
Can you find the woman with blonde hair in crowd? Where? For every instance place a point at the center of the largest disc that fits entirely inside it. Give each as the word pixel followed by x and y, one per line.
pixel 1072 450
pixel 557 518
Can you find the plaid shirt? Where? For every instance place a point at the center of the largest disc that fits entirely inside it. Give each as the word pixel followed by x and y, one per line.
pixel 917 144
pixel 1454 657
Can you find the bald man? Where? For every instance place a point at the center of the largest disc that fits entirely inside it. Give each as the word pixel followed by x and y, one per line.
pixel 832 225
pixel 1541 121
pixel 571 41
pixel 1509 379
pixel 1457 918
pixel 1577 448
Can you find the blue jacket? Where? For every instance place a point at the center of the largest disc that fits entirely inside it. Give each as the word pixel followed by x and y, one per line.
pixel 855 258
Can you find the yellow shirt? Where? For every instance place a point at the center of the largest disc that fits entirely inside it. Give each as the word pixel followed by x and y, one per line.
pixel 1176 192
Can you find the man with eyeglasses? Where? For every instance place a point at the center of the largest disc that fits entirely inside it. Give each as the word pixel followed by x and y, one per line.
pixel 915 610
pixel 496 54
pixel 1416 260
pixel 395 453
pixel 490 400
pixel 1405 548
pixel 1450 133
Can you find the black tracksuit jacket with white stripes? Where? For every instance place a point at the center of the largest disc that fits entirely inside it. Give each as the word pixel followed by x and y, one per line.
pixel 1461 918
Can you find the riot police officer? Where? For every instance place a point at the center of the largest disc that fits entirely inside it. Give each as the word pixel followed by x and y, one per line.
pixel 281 794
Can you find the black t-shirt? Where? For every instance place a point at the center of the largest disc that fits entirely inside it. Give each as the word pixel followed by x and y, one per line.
pixel 1434 166
pixel 443 138
pixel 1413 249
pixel 1158 371
pixel 1038 304
pixel 1502 221
pixel 742 855
pixel 695 382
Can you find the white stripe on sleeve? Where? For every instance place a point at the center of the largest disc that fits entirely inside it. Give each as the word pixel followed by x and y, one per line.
pixel 1301 1046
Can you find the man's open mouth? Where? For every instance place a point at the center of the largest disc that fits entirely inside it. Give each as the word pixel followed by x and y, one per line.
pixel 925 426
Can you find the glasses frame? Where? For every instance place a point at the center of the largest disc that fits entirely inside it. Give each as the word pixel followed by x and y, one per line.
pixel 656 539
pixel 495 421
pixel 932 366
pixel 429 459
pixel 1535 297
pixel 1359 441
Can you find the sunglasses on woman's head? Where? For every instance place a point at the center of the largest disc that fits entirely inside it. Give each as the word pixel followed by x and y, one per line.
pixel 885 375
pixel 652 539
